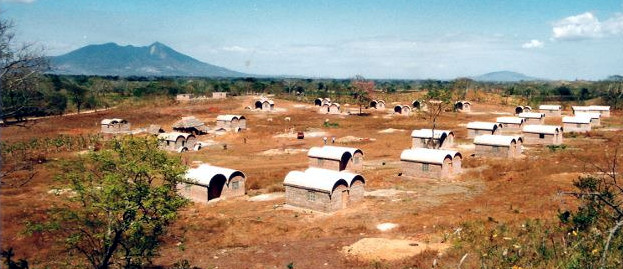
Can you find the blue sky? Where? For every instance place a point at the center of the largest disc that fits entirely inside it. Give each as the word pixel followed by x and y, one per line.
pixel 413 39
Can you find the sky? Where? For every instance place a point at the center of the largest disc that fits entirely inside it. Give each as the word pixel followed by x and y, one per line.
pixel 410 39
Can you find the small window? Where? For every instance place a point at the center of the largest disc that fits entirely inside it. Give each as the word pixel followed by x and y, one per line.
pixel 579 125
pixel 541 136
pixel 311 196
pixel 356 160
pixel 320 162
pixel 425 167
pixel 423 141
pixel 235 185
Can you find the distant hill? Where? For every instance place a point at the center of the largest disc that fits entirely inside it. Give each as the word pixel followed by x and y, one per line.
pixel 504 76
pixel 156 59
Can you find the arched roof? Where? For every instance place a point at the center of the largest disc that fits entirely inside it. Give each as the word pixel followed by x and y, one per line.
pixel 550 107
pixel 531 115
pixel 229 117
pixel 542 129
pixel 577 119
pixel 463 102
pixel 495 140
pixel 335 104
pixel 428 133
pixel 380 101
pixel 512 120
pixel 423 155
pixel 332 152
pixel 174 135
pixel 405 106
pixel 205 173
pixel 481 125
pixel 321 179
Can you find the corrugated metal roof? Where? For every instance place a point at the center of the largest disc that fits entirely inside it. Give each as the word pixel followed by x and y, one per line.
pixel 320 179
pixel 435 156
pixel 577 119
pixel 188 122
pixel 513 120
pixel 204 174
pixel 550 107
pixel 542 129
pixel 331 152
pixel 495 140
pixel 428 133
pixel 229 117
pixel 481 125
pixel 531 115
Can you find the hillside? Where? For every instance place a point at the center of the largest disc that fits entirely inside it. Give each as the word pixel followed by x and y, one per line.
pixel 504 76
pixel 156 59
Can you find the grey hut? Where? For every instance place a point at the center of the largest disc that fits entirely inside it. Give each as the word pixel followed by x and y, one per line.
pixel 176 141
pixel 531 118
pixel 114 126
pixel 441 139
pixel 323 190
pixel 480 128
pixel 430 163
pixel 336 158
pixel 578 124
pixel 219 95
pixel 501 146
pixel 542 134
pixel 208 182
pixel 191 125
pixel 232 122
pixel 551 110
pixel 510 124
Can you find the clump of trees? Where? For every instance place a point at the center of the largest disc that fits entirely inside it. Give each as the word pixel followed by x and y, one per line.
pixel 122 200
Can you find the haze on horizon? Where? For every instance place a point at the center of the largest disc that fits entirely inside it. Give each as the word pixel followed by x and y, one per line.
pixel 377 39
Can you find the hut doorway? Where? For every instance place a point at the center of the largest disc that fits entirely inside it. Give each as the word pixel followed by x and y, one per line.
pixel 416 104
pixel 398 109
pixel 373 104
pixel 518 110
pixel 344 161
pixel 345 198
pixel 216 187
pixel 258 105
pixel 318 102
pixel 458 106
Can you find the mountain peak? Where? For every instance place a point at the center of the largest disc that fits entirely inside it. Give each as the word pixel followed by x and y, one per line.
pixel 503 76
pixel 157 59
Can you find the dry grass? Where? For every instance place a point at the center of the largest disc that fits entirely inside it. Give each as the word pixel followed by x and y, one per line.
pixel 240 234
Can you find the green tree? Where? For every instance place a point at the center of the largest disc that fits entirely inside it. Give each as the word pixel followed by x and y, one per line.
pixel 124 199
pixel 57 103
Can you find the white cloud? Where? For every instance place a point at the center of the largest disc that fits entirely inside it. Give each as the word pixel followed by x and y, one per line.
pixel 18 1
pixel 235 49
pixel 532 44
pixel 587 26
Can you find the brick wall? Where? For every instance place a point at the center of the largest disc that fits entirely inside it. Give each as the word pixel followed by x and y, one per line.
pixel 551 113
pixel 414 169
pixel 324 163
pixel 299 197
pixel 229 191
pixel 533 139
pixel 529 121
pixel 193 192
pixel 489 151
pixel 573 127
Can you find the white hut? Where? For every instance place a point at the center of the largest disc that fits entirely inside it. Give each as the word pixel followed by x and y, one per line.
pixel 231 122
pixel 377 104
pixel 208 182
pixel 502 146
pixel 578 124
pixel 551 110
pixel 114 126
pixel 475 128
pixel 604 111
pixel 264 104
pixel 430 163
pixel 463 106
pixel 532 117
pixel 542 134
pixel 522 109
pixel 595 117
pixel 336 158
pixel 510 124
pixel 334 108
pixel 402 110
pixel 177 141
pixel 441 139
pixel 323 190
